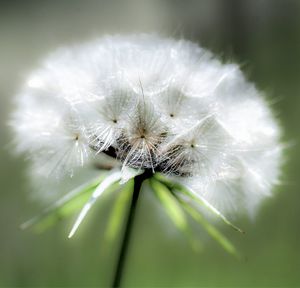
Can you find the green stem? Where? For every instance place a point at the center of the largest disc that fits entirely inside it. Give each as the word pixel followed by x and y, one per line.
pixel 138 180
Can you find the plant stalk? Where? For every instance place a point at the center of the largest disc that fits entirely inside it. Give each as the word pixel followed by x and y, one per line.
pixel 138 180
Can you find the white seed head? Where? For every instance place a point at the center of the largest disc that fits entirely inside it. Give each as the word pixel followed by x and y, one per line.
pixel 152 103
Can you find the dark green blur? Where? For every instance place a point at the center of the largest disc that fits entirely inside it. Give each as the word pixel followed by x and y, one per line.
pixel 264 37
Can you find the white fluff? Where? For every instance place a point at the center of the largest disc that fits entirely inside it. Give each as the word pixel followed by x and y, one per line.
pixel 160 104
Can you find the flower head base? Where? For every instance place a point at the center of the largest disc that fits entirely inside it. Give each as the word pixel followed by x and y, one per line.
pixel 153 104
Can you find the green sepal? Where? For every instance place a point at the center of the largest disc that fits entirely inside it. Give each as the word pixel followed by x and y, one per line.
pixel 118 212
pixel 65 206
pixel 210 229
pixel 202 202
pixel 175 211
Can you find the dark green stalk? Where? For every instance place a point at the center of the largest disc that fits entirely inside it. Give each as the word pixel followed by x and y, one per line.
pixel 138 181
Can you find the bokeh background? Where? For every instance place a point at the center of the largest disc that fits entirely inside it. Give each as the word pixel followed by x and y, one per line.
pixel 264 37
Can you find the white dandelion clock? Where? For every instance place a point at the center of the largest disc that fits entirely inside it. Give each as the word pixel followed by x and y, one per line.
pixel 151 110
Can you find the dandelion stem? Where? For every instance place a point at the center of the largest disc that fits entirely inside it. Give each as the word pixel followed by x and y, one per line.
pixel 138 180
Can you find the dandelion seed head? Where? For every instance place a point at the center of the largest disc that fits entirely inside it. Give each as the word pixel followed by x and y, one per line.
pixel 152 103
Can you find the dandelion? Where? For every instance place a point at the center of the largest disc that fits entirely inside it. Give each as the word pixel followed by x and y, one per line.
pixel 146 110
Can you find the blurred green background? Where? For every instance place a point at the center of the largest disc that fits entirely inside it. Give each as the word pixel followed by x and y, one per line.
pixel 264 37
